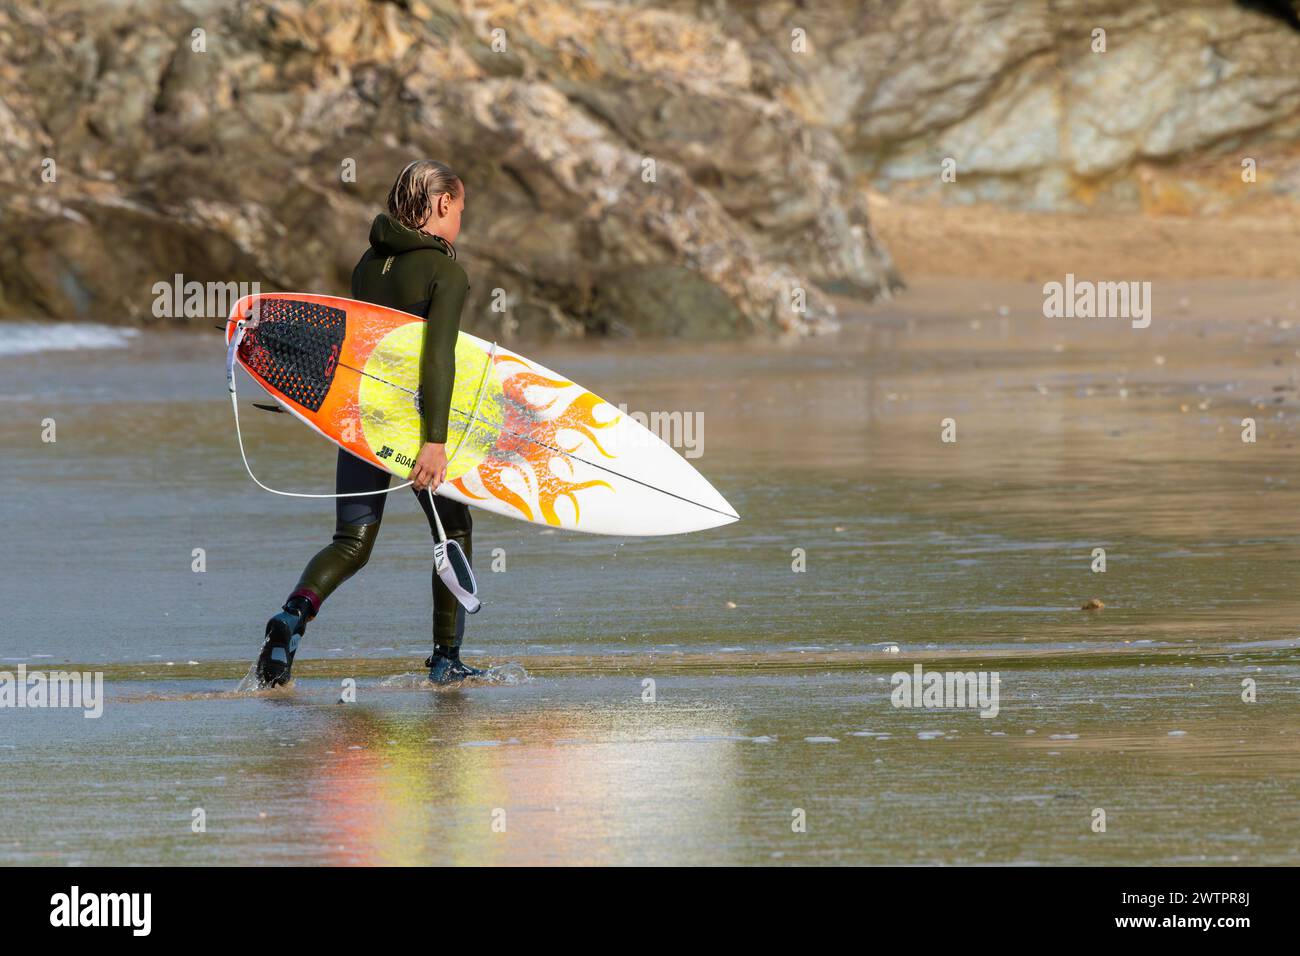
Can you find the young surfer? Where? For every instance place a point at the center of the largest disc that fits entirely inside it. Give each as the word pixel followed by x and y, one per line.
pixel 410 265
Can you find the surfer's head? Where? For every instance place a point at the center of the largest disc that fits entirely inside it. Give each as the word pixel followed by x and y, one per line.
pixel 428 197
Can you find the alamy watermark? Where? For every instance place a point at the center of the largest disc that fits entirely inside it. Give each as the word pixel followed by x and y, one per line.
pixel 80 689
pixel 75 908
pixel 1098 300
pixel 946 690
pixel 179 299
pixel 681 430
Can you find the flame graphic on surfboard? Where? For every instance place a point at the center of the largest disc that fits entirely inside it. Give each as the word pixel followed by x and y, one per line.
pixel 522 441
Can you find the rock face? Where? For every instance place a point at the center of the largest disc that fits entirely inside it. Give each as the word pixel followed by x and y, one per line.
pixel 693 168
pixel 1038 110
pixel 623 175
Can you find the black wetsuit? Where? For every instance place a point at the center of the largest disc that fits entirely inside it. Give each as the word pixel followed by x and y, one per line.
pixel 407 270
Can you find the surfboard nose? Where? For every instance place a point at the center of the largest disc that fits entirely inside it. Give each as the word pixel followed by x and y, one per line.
pixel 711 502
pixel 718 521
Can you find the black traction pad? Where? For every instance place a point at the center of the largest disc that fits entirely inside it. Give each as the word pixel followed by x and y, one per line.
pixel 295 347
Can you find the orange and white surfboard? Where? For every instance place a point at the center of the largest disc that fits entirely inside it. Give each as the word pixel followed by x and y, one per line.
pixel 522 441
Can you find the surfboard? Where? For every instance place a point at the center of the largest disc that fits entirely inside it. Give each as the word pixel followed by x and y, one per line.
pixel 522 441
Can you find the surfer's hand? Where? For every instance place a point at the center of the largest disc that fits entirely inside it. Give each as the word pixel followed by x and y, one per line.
pixel 430 467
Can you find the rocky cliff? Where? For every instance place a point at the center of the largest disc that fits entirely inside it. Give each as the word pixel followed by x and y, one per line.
pixel 1067 105
pixel 681 168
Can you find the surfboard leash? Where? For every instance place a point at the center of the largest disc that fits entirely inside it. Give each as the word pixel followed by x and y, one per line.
pixel 231 353
pixel 235 340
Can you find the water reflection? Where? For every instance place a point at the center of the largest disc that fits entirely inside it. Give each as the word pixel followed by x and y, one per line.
pixel 552 782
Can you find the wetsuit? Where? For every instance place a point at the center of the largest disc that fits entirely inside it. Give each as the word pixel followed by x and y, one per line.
pixel 407 270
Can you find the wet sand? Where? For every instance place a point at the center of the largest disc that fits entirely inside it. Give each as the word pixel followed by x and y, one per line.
pixel 581 770
pixel 1072 435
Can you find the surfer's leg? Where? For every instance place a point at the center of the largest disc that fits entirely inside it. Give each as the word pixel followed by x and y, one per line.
pixel 356 527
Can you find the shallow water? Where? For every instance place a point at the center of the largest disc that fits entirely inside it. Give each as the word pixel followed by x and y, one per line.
pixel 585 771
pixel 974 555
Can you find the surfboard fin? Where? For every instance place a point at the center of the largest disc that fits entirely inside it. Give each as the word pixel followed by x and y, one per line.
pixel 268 408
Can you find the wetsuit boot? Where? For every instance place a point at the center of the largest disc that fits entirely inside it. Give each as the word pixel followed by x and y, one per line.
pixel 446 667
pixel 343 557
pixel 283 632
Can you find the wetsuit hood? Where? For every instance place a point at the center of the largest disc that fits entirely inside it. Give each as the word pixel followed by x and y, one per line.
pixel 388 237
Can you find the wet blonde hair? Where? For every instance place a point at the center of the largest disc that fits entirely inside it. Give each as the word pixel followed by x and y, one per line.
pixel 417 188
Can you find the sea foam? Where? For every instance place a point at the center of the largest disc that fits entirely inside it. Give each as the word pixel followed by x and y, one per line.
pixel 28 338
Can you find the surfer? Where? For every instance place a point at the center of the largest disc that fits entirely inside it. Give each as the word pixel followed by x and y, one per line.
pixel 410 265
